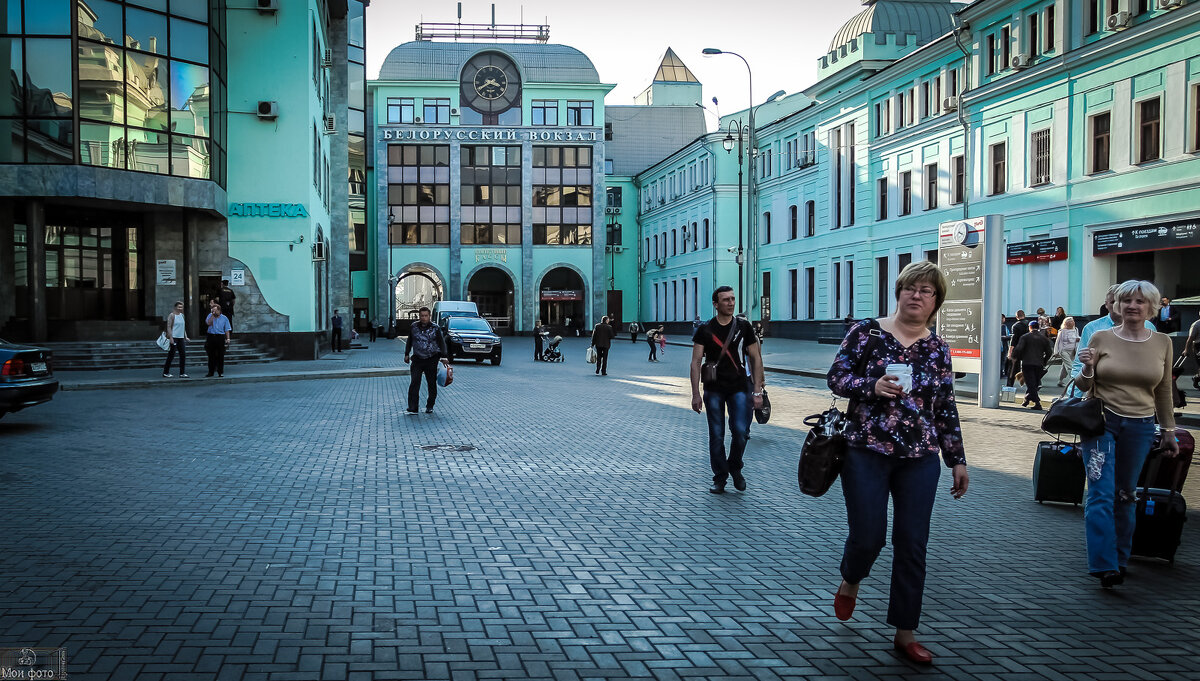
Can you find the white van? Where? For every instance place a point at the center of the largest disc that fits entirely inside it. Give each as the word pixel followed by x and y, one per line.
pixel 453 308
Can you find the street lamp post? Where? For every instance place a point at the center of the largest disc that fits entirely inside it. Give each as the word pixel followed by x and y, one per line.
pixel 728 143
pixel 392 278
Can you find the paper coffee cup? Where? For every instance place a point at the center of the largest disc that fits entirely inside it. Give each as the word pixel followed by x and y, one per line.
pixel 903 374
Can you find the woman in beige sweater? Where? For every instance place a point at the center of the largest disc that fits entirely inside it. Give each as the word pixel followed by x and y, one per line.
pixel 1128 368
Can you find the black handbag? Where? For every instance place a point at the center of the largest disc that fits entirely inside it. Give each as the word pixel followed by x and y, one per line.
pixel 763 413
pixel 1079 416
pixel 824 449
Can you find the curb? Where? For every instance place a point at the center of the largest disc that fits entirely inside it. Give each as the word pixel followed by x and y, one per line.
pixel 261 378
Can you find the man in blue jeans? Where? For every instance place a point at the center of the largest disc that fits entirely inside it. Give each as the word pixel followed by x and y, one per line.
pixel 726 342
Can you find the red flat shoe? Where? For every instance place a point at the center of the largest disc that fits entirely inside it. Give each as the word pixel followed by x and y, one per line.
pixel 915 652
pixel 843 606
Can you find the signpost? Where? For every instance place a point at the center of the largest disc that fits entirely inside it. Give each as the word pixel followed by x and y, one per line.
pixel 1147 238
pixel 237 277
pixel 971 255
pixel 165 271
pixel 1041 250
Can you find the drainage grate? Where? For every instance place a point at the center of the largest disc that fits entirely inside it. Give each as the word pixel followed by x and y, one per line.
pixel 446 448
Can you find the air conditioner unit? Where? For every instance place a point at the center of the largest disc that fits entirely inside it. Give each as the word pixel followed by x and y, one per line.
pixel 330 124
pixel 1021 61
pixel 1170 4
pixel 1118 21
pixel 319 251
pixel 661 261
pixel 267 6
pixel 612 210
pixel 950 104
pixel 327 62
pixel 268 111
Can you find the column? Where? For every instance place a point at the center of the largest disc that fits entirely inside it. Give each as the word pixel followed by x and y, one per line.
pixel 189 272
pixel 8 283
pixel 35 225
pixel 531 302
pixel 454 287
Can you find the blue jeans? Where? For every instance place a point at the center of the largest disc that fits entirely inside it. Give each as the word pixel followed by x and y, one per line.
pixel 868 478
pixel 715 405
pixel 1114 461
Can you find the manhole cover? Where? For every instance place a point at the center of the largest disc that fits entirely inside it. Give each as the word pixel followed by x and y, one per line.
pixel 447 448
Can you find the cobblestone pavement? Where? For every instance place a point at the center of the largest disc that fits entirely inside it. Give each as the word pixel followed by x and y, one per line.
pixel 306 530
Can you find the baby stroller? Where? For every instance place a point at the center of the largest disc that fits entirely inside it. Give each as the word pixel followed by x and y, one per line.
pixel 550 351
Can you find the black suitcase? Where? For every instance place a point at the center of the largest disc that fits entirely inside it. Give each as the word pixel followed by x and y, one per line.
pixel 1161 514
pixel 1170 473
pixel 1058 473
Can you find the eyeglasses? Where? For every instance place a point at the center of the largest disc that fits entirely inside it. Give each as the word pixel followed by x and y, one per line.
pixel 926 291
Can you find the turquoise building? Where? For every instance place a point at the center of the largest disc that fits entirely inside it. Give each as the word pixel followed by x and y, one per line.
pixel 153 148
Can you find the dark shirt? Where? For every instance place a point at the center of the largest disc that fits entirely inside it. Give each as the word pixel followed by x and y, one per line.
pixel 337 321
pixel 922 421
pixel 731 378
pixel 425 341
pixel 602 335
pixel 1034 348
pixel 227 297
pixel 1057 321
pixel 1019 328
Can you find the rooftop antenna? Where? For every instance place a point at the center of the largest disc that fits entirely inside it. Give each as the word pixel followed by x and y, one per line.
pixel 493 15
pixel 459 22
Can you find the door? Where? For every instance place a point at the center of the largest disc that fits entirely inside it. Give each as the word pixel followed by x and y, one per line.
pixel 613 309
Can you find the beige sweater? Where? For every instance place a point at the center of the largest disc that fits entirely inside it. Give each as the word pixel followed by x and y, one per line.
pixel 1132 378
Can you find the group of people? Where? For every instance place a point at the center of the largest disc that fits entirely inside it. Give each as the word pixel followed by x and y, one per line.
pixel 1031 345
pixel 218 333
pixel 902 415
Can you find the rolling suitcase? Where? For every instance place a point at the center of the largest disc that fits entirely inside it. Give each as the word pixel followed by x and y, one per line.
pixel 1171 473
pixel 1161 514
pixel 1058 473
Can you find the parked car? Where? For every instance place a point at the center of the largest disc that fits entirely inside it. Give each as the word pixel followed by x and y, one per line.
pixel 471 337
pixel 26 377
pixel 453 308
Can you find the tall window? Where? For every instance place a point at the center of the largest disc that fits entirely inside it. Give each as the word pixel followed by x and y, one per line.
pixel 1049 39
pixel 562 196
pixel 418 194
pixel 794 287
pixel 926 92
pixel 1195 118
pixel 1005 49
pixel 766 227
pixel 931 186
pixel 837 289
pixel 905 192
pixel 491 195
pixel 706 232
pixel 436 111
pixel 401 109
pixel 991 55
pixel 1149 147
pixel 793 222
pixel 674 242
pixel 959 189
pixel 1100 142
pixel 836 144
pixel 851 160
pixel 1093 16
pixel 882 286
pixel 810 292
pixel 810 218
pixel 999 163
pixel 544 112
pixel 881 197
pixel 1040 148
pixel 579 113
pixel 1032 23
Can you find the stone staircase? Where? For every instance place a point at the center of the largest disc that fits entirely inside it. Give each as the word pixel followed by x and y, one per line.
pixel 95 355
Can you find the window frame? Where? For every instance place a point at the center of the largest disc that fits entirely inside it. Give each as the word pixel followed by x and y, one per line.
pixel 931 186
pixel 998 168
pixel 881 199
pixel 1094 143
pixel 958 188
pixel 1154 127
pixel 1040 168
pixel 905 188
pixel 579 107
pixel 542 107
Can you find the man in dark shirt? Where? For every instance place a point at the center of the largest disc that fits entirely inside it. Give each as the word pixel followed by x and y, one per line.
pixel 1033 350
pixel 336 337
pixel 423 349
pixel 726 342
pixel 1020 328
pixel 602 336
pixel 226 298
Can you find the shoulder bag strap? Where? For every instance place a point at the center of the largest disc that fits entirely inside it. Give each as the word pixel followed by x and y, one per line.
pixel 725 346
pixel 875 338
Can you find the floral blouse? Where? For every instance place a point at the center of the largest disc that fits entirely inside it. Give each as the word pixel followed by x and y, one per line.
pixel 919 423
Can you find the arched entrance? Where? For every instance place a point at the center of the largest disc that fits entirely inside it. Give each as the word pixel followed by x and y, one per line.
pixel 418 286
pixel 491 289
pixel 561 299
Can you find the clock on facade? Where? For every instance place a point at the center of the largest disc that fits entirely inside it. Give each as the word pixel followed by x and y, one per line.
pixel 490 83
pixel 960 232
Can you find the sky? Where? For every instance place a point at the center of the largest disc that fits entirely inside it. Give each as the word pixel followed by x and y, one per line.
pixel 781 40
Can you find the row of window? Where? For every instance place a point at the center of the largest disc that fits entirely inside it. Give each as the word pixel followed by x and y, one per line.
pixel 477 234
pixel 932 180
pixel 917 103
pixel 676 299
pixel 437 110
pixel 810 222
pixel 698 238
pixel 678 183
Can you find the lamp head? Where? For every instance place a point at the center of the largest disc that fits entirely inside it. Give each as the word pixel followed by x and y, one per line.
pixel 775 96
pixel 711 50
pixel 728 142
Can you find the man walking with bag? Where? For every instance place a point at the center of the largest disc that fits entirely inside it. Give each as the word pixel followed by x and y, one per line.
pixel 720 349
pixel 602 336
pixel 423 349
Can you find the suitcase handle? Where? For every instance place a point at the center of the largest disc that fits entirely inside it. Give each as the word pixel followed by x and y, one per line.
pixel 1152 471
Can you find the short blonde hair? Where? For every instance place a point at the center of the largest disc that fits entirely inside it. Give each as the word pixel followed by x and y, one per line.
pixel 1137 287
pixel 924 272
pixel 1068 319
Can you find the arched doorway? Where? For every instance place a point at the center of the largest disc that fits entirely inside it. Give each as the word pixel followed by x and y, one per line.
pixel 418 286
pixel 561 299
pixel 491 289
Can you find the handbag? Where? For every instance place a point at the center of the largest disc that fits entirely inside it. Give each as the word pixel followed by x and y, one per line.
pixel 1080 416
pixel 824 450
pixel 445 375
pixel 163 342
pixel 763 413
pixel 591 354
pixel 708 370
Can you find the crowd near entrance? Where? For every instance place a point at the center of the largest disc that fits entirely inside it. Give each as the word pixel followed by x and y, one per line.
pixel 491 289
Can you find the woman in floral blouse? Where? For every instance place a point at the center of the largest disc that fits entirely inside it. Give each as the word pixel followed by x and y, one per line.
pixel 894 437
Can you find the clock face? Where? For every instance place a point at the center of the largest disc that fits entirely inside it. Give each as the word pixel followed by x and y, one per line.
pixel 490 83
pixel 959 233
